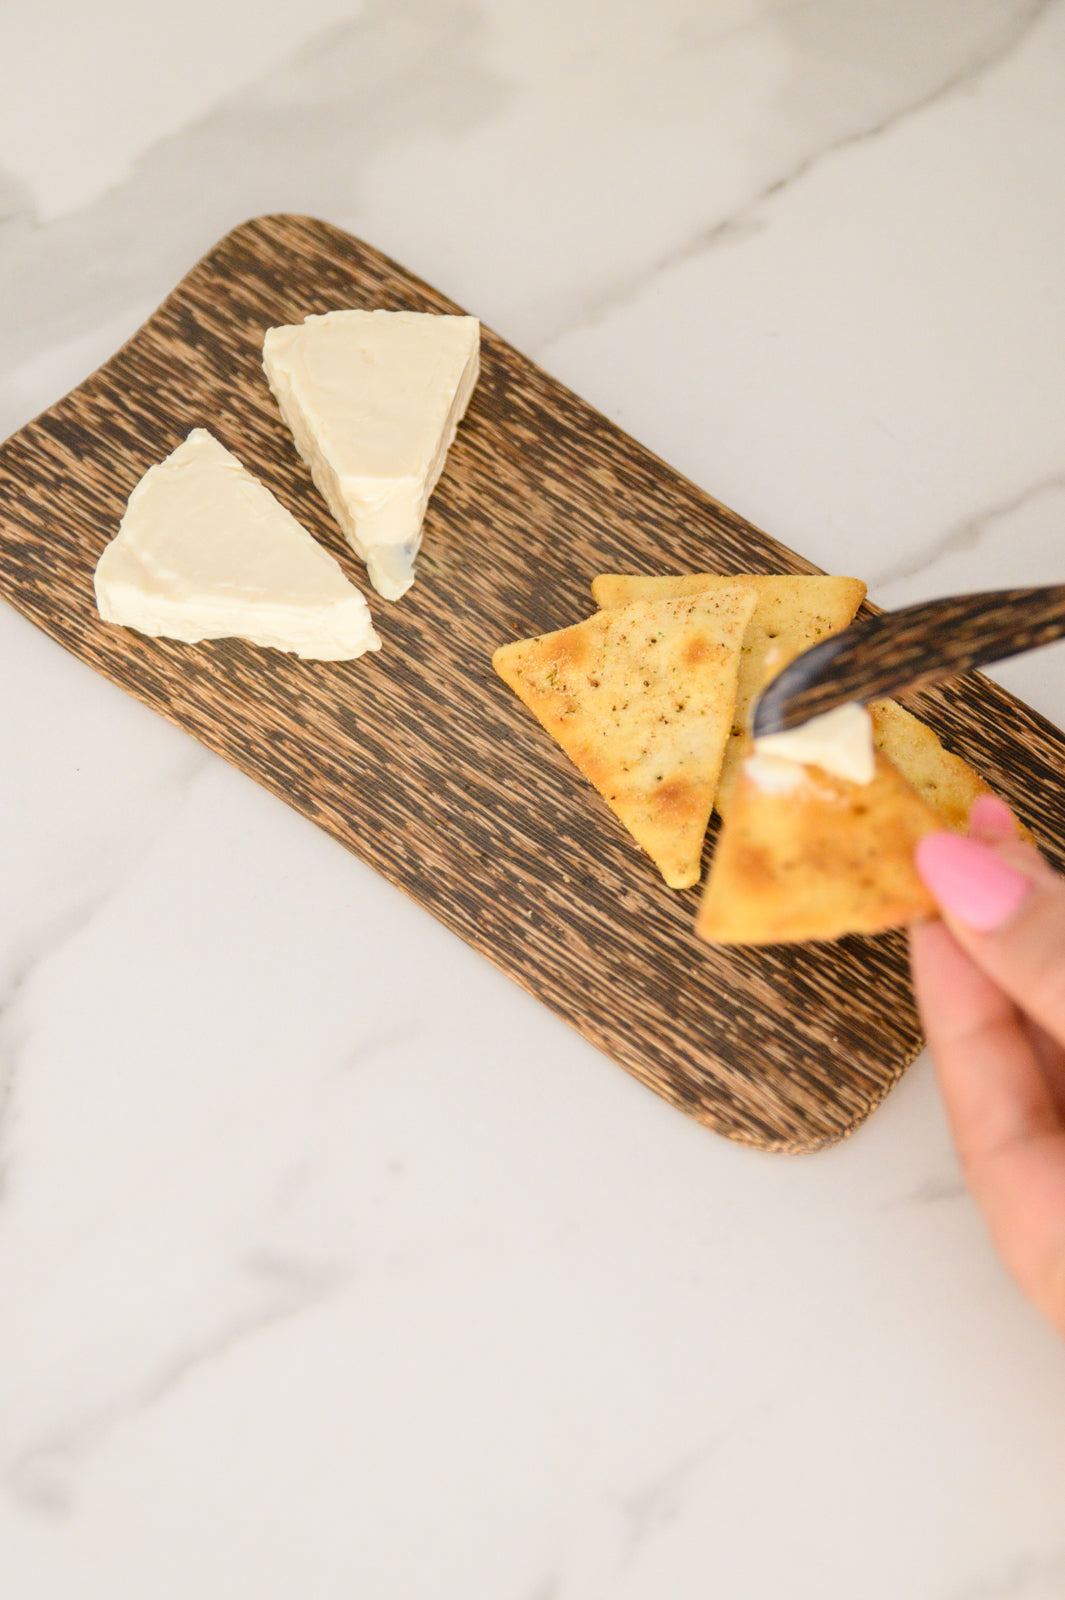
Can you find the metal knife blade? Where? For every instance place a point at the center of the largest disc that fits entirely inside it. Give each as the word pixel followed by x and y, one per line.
pixel 910 649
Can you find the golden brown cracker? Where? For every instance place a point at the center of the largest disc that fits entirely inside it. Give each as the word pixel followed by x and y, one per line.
pixel 792 613
pixel 806 856
pixel 642 699
pixel 943 779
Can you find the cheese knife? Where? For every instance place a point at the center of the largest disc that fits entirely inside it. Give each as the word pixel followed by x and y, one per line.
pixel 909 649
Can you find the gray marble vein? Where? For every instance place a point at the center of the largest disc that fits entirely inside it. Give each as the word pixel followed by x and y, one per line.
pixel 934 1191
pixel 84 903
pixel 1032 1577
pixel 952 46
pixel 384 1043
pixel 658 1503
pixel 549 1589
pixel 43 1477
pixel 13 1031
pixel 294 141
pixel 968 534
pixel 700 30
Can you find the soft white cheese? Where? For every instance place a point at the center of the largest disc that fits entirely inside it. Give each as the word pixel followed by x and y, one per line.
pixel 205 551
pixel 839 741
pixel 373 399
pixel 773 775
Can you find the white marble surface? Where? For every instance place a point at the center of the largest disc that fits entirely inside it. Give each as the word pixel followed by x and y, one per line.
pixel 331 1265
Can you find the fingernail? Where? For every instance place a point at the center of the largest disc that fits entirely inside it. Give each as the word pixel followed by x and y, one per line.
pixel 971 882
pixel 991 818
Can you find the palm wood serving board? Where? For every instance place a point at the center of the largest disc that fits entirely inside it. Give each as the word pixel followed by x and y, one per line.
pixel 417 758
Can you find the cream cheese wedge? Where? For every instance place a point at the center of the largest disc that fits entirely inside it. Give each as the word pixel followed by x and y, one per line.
pixel 774 774
pixel 373 399
pixel 204 551
pixel 839 741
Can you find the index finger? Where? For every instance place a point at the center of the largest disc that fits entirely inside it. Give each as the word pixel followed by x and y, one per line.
pixel 1003 1115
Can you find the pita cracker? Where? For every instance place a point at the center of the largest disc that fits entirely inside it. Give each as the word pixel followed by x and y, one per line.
pixel 792 613
pixel 642 699
pixel 805 856
pixel 946 781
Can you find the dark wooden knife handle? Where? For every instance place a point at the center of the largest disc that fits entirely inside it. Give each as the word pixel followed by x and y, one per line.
pixel 909 649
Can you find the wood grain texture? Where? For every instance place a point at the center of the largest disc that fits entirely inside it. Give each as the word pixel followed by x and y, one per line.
pixel 418 758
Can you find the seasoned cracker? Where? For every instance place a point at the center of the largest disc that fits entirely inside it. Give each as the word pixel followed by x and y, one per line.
pixel 946 781
pixel 642 698
pixel 805 856
pixel 792 613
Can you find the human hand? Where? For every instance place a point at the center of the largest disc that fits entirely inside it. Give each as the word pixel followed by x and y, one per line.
pixel 990 983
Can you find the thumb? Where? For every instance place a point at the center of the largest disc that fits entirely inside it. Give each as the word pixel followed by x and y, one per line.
pixel 1006 907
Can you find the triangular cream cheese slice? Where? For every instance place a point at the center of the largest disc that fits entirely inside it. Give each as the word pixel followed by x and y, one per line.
pixel 373 399
pixel 205 551
pixel 804 855
pixel 642 699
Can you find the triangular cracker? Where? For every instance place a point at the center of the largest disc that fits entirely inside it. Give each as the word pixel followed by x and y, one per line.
pixel 803 855
pixel 642 699
pixel 792 613
pixel 946 781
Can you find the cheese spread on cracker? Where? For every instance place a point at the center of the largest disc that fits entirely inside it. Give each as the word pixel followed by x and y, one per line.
pixel 839 741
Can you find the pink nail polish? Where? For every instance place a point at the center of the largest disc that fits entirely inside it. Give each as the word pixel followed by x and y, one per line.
pixel 970 881
pixel 991 816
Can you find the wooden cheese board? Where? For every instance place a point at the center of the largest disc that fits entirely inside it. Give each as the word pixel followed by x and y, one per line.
pixel 417 758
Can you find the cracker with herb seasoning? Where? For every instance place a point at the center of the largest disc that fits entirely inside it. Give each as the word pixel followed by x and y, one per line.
pixel 642 699
pixel 940 777
pixel 792 612
pixel 805 856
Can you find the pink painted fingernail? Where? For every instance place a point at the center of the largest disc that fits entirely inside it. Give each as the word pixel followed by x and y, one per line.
pixel 992 818
pixel 970 881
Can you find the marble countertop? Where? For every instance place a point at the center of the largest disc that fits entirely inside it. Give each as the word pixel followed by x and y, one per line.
pixel 331 1265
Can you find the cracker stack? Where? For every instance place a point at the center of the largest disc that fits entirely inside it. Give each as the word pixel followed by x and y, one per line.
pixel 651 698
